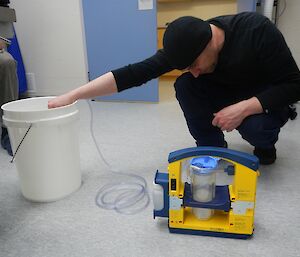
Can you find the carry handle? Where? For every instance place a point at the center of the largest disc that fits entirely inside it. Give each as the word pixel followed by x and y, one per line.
pixel 245 159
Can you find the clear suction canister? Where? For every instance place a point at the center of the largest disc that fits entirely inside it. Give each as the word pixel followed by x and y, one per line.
pixel 203 183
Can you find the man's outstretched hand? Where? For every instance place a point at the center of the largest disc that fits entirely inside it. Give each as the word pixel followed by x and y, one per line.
pixel 60 101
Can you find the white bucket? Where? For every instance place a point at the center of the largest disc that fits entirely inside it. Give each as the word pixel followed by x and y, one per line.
pixel 48 159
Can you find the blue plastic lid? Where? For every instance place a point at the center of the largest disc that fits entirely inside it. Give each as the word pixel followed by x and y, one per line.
pixel 204 164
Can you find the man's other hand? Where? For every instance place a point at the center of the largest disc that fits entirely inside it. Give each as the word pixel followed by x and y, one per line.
pixel 230 117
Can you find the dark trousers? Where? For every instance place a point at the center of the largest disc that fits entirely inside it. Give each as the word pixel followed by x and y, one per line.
pixel 199 99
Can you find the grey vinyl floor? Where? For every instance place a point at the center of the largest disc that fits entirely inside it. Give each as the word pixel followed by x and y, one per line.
pixel 137 138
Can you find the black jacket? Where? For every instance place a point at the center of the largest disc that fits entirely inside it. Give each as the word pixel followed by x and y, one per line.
pixel 255 61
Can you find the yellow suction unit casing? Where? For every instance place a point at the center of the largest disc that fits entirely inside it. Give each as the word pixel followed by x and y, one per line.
pixel 233 204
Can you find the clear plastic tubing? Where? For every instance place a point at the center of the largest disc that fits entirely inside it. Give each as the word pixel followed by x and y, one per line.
pixel 126 197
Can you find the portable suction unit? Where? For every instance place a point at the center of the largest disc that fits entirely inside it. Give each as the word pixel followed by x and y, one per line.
pixel 191 196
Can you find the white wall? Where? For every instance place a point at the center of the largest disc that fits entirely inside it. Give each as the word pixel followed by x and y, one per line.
pixel 288 24
pixel 51 39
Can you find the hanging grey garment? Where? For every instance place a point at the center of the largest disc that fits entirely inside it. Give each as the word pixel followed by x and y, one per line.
pixel 9 88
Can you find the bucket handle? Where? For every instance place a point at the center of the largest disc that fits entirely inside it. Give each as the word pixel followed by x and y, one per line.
pixel 15 153
pixel 22 124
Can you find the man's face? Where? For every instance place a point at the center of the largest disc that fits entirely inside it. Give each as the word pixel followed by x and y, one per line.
pixel 205 62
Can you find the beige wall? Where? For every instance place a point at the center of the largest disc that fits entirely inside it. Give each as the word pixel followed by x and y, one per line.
pixel 204 9
pixel 288 24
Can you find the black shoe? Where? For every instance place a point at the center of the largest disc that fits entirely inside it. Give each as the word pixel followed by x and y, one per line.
pixel 266 156
pixel 292 111
pixel 225 144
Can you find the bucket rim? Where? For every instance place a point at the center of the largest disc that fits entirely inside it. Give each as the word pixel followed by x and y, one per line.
pixel 4 106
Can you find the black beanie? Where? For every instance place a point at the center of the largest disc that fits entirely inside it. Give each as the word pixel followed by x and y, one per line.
pixel 184 40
